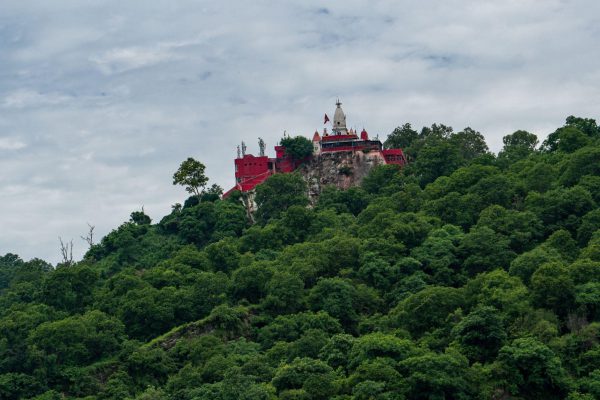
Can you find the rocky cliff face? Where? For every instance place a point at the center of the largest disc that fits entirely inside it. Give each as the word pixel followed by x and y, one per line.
pixel 341 169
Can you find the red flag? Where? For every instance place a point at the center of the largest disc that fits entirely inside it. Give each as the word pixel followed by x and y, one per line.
pixel 326 119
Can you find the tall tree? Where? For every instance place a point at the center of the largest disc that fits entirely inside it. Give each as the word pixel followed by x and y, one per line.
pixel 278 193
pixel 517 146
pixel 297 147
pixel 401 138
pixel 191 175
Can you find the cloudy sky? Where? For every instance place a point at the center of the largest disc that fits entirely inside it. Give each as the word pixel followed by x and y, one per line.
pixel 101 100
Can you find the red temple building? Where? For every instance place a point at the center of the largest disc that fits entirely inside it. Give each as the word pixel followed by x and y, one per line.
pixel 251 171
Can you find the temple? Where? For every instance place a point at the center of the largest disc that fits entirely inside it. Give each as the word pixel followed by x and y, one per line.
pixel 251 170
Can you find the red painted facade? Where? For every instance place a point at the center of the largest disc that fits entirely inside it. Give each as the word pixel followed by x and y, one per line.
pixel 251 171
pixel 394 156
pixel 339 138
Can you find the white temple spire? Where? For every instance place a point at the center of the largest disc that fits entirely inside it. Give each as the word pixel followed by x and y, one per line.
pixel 339 119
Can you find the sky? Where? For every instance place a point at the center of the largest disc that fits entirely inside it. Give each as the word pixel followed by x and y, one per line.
pixel 100 101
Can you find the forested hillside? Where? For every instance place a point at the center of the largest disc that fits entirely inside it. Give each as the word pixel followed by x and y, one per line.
pixel 465 275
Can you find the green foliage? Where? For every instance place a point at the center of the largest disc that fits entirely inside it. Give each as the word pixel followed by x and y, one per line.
pixel 529 369
pixel 191 175
pixel 77 340
pixel 401 138
pixel 517 146
pixel 480 334
pixel 583 163
pixel 69 288
pixel 427 309
pixel 552 287
pixel 284 293
pixel 436 376
pixel 297 147
pixel 278 193
pixel 437 158
pixel 312 377
pixel 576 133
pixel 484 250
pixel 460 275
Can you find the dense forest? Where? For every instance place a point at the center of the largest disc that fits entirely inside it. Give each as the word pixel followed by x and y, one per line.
pixel 464 275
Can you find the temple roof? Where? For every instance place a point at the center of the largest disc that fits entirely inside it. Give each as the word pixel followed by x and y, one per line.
pixel 339 119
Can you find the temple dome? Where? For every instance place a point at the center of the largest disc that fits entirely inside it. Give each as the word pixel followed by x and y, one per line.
pixel 339 120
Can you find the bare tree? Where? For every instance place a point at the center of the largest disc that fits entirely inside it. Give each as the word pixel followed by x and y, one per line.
pixel 89 238
pixel 66 250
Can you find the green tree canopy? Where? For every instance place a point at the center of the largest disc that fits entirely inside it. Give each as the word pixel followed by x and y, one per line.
pixel 191 175
pixel 278 193
pixel 297 147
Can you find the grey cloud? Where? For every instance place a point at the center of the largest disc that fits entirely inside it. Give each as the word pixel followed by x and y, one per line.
pixel 10 143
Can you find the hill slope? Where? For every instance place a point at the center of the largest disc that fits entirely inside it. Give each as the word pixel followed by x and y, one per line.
pixel 464 275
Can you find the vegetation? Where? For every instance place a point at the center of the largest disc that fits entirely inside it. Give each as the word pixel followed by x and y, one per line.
pixel 191 175
pixel 464 275
pixel 298 147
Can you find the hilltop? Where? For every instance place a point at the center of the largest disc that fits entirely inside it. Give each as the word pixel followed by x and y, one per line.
pixel 460 275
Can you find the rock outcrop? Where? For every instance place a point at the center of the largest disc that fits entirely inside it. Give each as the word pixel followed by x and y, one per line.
pixel 340 169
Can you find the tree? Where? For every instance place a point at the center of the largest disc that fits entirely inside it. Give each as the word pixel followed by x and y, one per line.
pixel 307 375
pixel 527 263
pixel 471 144
pixel 230 321
pixel 66 251
pixel 585 161
pixel 499 290
pixel 560 208
pixel 89 238
pixel 284 293
pixel 571 139
pixel 575 133
pixel 213 193
pixel 427 310
pixel 278 193
pixel 439 254
pixel 523 229
pixel 149 312
pixel 530 370
pixel 250 282
pixel 379 177
pixel 297 147
pixel 590 223
pixel 586 125
pixel 70 289
pixel 437 157
pixel 337 297
pixel 521 142
pixel 140 218
pixel 480 334
pixel 380 345
pixel 484 250
pixel 292 326
pixel 78 340
pixel 401 138
pixel 436 376
pixel 336 351
pixel 553 288
pixel 9 264
pixel 191 175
